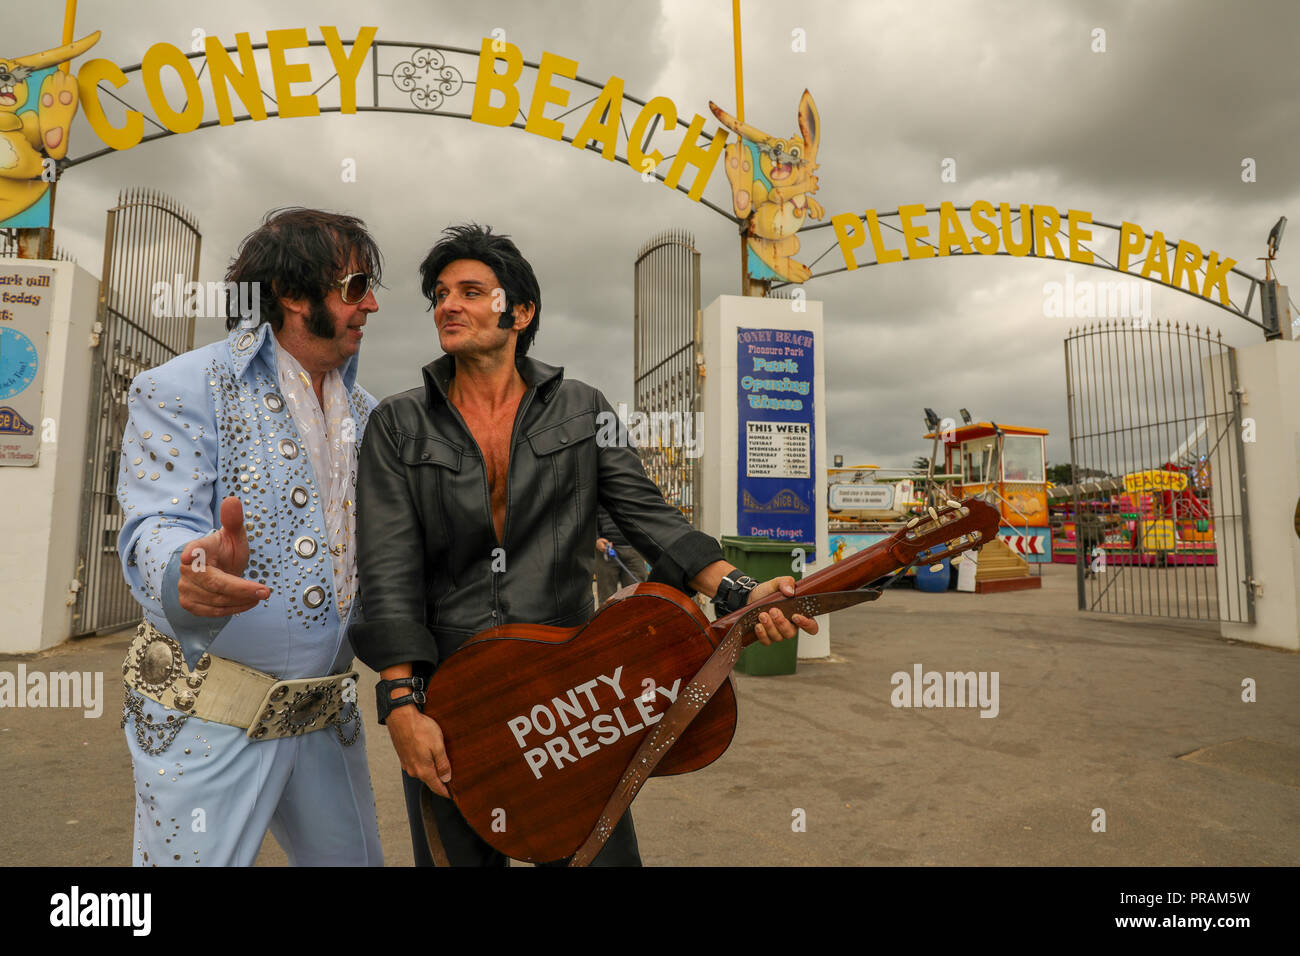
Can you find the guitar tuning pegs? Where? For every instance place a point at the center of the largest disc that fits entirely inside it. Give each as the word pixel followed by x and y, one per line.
pixel 953 504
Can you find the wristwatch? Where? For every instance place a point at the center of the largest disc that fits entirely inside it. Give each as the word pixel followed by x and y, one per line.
pixel 733 592
pixel 387 703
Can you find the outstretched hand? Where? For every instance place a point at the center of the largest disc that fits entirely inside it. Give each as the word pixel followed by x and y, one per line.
pixel 212 568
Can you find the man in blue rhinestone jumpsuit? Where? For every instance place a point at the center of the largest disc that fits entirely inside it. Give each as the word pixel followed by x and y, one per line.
pixel 247 439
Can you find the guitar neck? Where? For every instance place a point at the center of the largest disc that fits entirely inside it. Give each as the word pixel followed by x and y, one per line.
pixel 955 528
pixel 869 564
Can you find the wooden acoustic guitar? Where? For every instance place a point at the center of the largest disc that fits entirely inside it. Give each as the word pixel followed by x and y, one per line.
pixel 540 723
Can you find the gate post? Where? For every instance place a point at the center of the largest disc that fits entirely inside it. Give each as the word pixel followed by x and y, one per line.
pixel 42 436
pixel 1269 377
pixel 724 465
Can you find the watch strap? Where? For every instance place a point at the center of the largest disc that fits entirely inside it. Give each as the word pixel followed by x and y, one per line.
pixel 386 702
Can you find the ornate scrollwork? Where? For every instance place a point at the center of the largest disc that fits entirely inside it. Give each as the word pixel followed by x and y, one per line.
pixel 427 78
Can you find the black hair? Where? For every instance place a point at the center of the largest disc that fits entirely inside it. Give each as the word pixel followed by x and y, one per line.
pixel 502 256
pixel 299 254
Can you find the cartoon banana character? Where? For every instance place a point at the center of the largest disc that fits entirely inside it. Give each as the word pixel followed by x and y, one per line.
pixel 772 183
pixel 27 138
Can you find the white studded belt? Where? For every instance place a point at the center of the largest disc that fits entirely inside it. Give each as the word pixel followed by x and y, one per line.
pixel 228 692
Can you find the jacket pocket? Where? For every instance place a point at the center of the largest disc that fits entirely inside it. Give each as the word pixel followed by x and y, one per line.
pixel 565 450
pixel 567 434
pixel 424 450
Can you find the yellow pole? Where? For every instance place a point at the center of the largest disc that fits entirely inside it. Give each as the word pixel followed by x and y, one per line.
pixel 740 82
pixel 746 286
pixel 69 21
pixel 69 26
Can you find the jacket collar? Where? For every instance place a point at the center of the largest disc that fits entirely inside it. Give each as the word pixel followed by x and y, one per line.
pixel 246 344
pixel 439 373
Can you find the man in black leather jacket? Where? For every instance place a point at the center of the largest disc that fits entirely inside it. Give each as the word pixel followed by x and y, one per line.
pixel 476 506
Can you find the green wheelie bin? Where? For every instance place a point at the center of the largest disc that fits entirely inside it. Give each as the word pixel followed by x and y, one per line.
pixel 764 559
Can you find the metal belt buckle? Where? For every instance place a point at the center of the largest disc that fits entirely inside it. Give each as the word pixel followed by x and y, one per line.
pixel 293 707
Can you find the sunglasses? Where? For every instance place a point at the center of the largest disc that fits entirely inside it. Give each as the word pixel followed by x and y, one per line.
pixel 355 287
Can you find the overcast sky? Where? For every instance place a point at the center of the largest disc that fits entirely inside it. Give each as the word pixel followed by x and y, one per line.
pixel 1154 131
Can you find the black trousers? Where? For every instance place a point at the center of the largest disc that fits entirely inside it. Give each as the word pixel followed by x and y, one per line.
pixel 466 848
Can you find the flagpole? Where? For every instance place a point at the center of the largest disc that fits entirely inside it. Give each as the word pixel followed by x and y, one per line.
pixel 69 28
pixel 745 286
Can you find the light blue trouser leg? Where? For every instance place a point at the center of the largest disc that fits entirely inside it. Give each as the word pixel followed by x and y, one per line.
pixel 218 793
pixel 342 831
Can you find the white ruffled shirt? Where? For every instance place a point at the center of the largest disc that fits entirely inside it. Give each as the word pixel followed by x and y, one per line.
pixel 330 436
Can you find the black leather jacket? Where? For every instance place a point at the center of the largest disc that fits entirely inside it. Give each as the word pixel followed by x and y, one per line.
pixel 426 545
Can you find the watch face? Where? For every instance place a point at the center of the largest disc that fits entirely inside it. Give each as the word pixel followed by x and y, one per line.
pixel 18 362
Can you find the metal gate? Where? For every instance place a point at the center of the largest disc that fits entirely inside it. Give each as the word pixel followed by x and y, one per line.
pixel 1157 504
pixel 148 238
pixel 666 364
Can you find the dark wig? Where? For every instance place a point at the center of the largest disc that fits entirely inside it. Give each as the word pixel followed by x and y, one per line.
pixel 499 254
pixel 300 254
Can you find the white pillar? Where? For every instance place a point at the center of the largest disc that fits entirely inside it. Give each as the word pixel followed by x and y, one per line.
pixel 40 516
pixel 1269 375
pixel 720 463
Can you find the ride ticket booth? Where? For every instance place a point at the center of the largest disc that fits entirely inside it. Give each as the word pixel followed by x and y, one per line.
pixel 1009 461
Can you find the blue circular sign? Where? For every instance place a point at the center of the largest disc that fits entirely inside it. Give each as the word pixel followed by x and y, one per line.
pixel 18 362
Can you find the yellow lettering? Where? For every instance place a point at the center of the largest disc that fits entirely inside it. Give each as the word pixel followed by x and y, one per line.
pixel 348 66
pixel 155 58
pixel 1187 259
pixel 1047 223
pixel 981 217
pixel 703 158
pixel 913 231
pixel 601 123
pixel 637 139
pixel 1026 231
pixel 286 74
pixel 89 75
pixel 488 80
pixel 244 80
pixel 951 232
pixel 1216 275
pixel 849 234
pixel 1077 219
pixel 544 93
pixel 1156 261
pixel 883 255
pixel 1131 241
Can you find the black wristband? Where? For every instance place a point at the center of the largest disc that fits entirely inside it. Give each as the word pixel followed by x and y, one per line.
pixel 733 592
pixel 386 703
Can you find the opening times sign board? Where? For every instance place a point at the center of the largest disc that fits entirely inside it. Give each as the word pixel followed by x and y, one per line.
pixel 776 488
pixel 26 303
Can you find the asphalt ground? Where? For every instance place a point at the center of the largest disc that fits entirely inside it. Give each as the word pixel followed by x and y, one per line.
pixel 1140 718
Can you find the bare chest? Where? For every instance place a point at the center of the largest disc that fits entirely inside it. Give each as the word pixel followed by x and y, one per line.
pixel 492 434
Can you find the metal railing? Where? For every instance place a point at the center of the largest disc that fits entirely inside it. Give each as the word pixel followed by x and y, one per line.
pixel 1155 424
pixel 148 238
pixel 667 353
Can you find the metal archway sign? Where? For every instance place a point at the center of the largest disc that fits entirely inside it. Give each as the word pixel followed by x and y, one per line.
pixel 371 75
